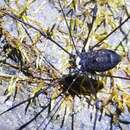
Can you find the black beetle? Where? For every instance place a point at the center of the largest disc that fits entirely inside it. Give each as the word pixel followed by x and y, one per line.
pixel 98 60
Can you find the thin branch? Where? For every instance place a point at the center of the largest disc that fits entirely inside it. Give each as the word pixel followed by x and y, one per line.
pixel 118 77
pixel 15 106
pixel 100 42
pixel 34 118
pixel 69 29
pixel 51 65
pixel 35 28
pixel 72 123
pixel 63 120
pixel 26 31
pixel 49 115
pixel 90 28
pixel 95 120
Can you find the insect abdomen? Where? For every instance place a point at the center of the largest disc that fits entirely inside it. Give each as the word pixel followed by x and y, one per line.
pixel 99 60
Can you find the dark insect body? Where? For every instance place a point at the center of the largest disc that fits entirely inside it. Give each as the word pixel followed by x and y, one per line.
pixel 83 85
pixel 98 60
